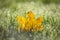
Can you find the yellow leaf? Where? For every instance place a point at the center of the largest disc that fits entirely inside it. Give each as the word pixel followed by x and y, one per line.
pixel 30 23
pixel 30 15
pixel 40 19
pixel 22 22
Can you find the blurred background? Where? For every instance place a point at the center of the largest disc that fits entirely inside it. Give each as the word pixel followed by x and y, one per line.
pixel 9 3
pixel 10 9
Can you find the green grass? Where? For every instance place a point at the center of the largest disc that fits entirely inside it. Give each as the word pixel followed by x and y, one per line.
pixel 50 12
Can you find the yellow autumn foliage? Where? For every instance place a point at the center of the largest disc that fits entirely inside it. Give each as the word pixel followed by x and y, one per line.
pixel 30 23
